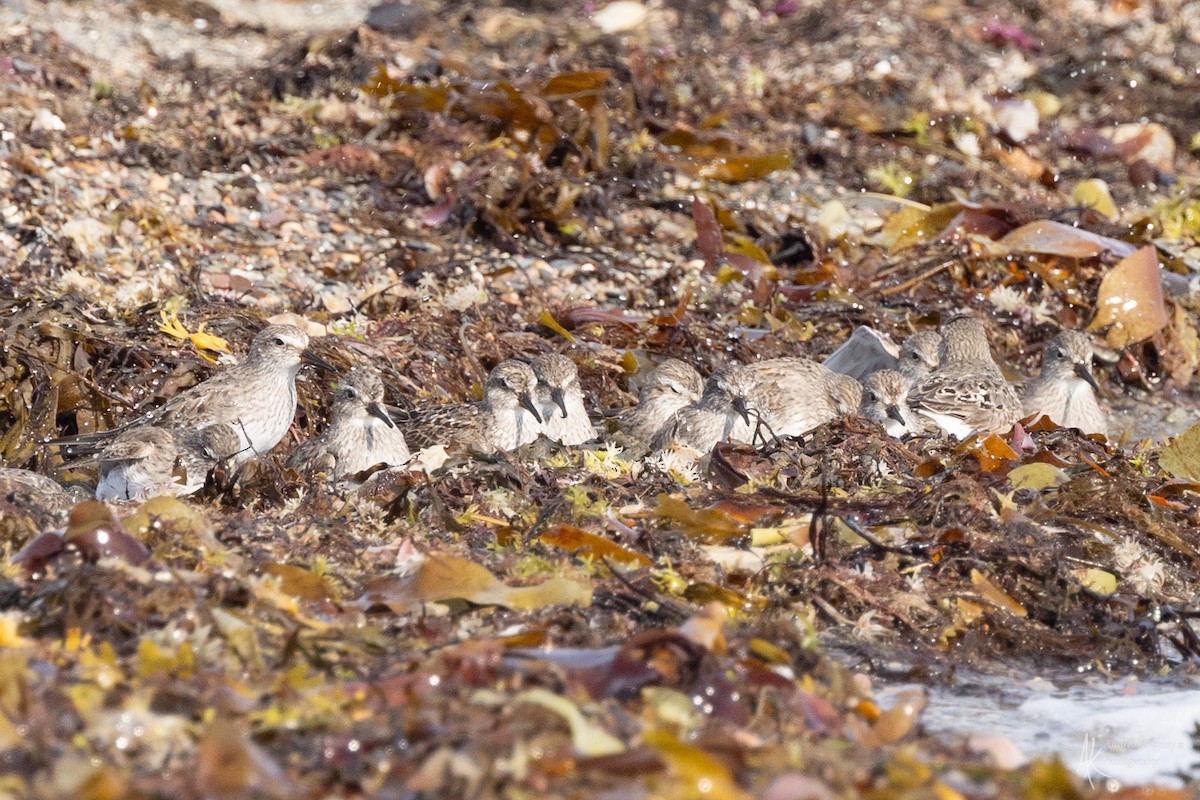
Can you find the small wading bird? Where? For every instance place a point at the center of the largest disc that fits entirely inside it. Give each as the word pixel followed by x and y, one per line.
pixel 967 393
pixel 1065 389
pixel 560 400
pixel 145 461
pixel 726 411
pixel 256 398
pixel 797 395
pixel 665 389
pixel 506 418
pixel 360 434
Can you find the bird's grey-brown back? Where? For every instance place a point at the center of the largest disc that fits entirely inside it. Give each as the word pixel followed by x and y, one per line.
pixel 360 433
pixel 670 386
pixel 728 410
pixel 885 400
pixel 560 400
pixel 256 396
pixel 965 344
pixel 1065 388
pixel 967 393
pixel 136 463
pixel 798 394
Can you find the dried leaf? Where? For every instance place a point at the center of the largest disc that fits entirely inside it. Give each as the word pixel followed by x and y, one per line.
pixel 1093 193
pixel 205 343
pixel 585 87
pixel 736 169
pixel 1037 475
pixel 708 233
pixel 301 583
pixel 694 771
pixel 712 525
pixel 995 595
pixel 547 319
pixel 1131 300
pixel 1097 580
pixel 588 738
pixel 992 452
pixel 94 530
pixel 576 540
pixel 898 721
pixel 1181 458
pixel 1057 239
pixel 912 226
pixel 440 578
pixel 577 316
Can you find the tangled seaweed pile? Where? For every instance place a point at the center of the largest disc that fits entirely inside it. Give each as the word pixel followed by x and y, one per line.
pixel 453 187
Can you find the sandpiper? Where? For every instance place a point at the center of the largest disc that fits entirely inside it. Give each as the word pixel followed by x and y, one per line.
pixel 885 400
pixel 144 461
pixel 360 434
pixel 560 400
pixel 1065 389
pixel 504 419
pixel 726 411
pixel 256 398
pixel 667 388
pixel 967 393
pixel 919 355
pixel 798 394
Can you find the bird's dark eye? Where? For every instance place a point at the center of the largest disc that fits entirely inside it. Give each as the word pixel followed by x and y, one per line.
pixel 915 356
pixel 871 396
pixel 278 342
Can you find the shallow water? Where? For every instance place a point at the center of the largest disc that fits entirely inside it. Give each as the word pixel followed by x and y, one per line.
pixel 1117 732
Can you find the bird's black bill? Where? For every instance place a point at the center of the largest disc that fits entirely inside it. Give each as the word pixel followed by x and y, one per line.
pixel 739 405
pixel 560 400
pixel 1084 372
pixel 377 410
pixel 527 404
pixel 313 360
pixel 895 413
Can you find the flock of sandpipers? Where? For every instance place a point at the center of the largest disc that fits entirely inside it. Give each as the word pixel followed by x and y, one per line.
pixel 933 383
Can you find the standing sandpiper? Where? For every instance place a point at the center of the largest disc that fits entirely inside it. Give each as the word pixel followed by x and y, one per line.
pixel 1065 389
pixel 798 394
pixel 667 388
pixel 504 419
pixel 360 433
pixel 885 400
pixel 967 393
pixel 256 398
pixel 727 410
pixel 560 400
